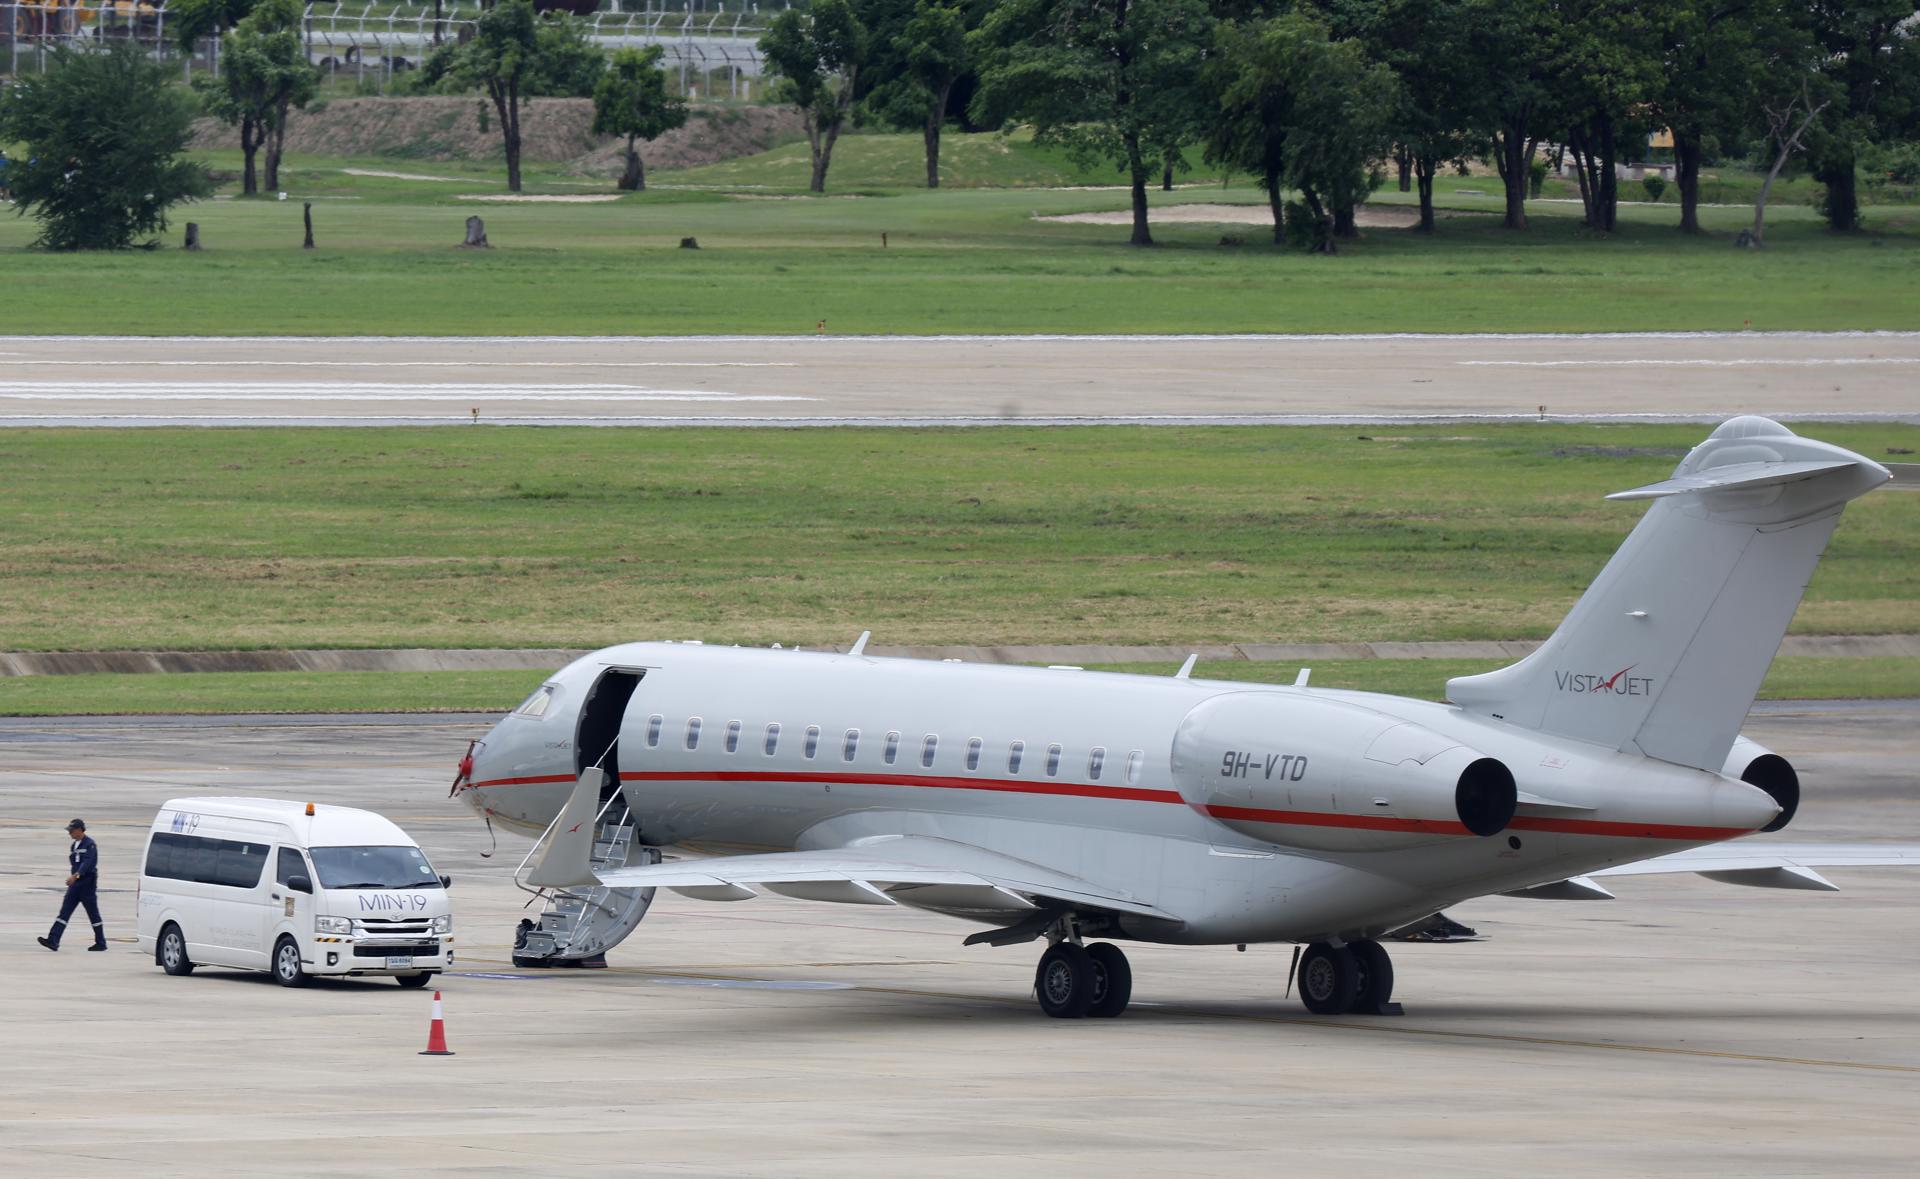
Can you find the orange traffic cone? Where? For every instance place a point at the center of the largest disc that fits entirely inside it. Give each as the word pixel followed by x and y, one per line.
pixel 437 1032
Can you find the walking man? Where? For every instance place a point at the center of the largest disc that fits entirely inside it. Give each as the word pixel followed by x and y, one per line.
pixel 83 888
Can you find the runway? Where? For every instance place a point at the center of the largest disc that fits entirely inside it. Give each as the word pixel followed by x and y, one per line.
pixel 1687 1028
pixel 953 380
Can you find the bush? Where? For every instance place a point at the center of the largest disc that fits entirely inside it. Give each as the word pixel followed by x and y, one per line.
pixel 1536 177
pixel 105 134
pixel 1655 184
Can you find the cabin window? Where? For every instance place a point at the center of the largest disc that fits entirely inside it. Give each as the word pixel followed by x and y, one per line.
pixel 733 736
pixel 1015 752
pixel 852 745
pixel 973 753
pixel 654 724
pixel 693 732
pixel 927 750
pixel 1053 760
pixel 813 741
pixel 773 738
pixel 1134 762
pixel 892 752
pixel 1096 759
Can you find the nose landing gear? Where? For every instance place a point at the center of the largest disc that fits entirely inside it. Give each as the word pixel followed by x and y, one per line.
pixel 1351 979
pixel 1075 981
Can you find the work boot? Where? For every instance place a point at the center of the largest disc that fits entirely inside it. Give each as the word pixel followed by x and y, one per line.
pixel 97 947
pixel 49 943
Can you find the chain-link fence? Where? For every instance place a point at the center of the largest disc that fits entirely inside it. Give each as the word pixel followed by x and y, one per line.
pixel 708 51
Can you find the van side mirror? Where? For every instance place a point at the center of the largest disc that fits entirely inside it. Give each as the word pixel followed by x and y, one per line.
pixel 297 883
pixel 446 882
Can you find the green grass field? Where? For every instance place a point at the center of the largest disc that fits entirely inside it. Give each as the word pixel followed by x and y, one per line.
pixel 478 536
pixel 497 691
pixel 966 261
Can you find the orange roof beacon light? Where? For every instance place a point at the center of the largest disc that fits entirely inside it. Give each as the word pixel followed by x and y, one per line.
pixel 309 810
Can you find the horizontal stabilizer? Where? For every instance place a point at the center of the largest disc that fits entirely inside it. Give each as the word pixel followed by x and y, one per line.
pixel 1774 865
pixel 1577 888
pixel 912 870
pixel 1777 877
pixel 1735 476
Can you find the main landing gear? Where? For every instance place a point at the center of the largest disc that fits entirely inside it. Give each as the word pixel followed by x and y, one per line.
pixel 1351 979
pixel 1075 980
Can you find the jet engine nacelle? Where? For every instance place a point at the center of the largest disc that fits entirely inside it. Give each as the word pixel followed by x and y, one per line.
pixel 1758 766
pixel 1324 774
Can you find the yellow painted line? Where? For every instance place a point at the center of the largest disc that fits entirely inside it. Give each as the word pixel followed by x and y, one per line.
pixel 1300 1021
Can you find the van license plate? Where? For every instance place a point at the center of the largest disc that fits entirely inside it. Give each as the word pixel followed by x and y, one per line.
pixel 396 961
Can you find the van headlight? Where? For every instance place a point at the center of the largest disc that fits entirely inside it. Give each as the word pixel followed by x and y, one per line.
pixel 443 923
pixel 333 925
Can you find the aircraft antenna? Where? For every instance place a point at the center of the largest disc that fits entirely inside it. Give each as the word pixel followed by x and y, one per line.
pixel 860 644
pixel 1300 681
pixel 1186 669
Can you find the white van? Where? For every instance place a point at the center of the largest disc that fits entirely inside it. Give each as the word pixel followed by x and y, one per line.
pixel 292 888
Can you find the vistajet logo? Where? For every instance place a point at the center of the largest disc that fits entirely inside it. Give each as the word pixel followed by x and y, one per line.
pixel 1617 684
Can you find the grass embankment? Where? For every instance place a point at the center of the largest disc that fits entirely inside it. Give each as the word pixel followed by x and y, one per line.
pixel 967 261
pixel 498 691
pixel 465 536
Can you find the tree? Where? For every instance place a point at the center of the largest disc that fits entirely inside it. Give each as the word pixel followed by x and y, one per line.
pixel 1607 67
pixel 1111 80
pixel 106 135
pixel 915 69
pixel 1508 65
pixel 265 73
pixel 1787 125
pixel 631 99
pixel 1872 57
pixel 190 20
pixel 1246 80
pixel 512 55
pixel 1710 63
pixel 818 54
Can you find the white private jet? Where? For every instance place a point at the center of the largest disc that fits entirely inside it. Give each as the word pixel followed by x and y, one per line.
pixel 1072 806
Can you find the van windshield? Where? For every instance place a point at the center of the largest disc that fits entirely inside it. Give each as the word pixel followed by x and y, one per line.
pixel 373 867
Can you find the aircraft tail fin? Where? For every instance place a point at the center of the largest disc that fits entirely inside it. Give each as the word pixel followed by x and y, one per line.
pixel 1666 650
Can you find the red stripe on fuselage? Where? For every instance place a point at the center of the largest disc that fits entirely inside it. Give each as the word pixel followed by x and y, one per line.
pixel 1601 827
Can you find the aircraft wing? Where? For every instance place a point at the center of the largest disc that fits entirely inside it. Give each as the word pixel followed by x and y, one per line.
pixel 923 872
pixel 1773 865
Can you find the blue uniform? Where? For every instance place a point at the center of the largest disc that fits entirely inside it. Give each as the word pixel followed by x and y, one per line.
pixel 83 863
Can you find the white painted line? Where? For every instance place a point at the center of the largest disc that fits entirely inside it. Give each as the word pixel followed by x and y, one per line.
pixel 1201 337
pixel 402 363
pixel 252 391
pixel 1652 362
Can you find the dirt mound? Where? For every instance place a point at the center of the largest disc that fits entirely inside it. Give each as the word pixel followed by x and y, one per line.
pixel 551 130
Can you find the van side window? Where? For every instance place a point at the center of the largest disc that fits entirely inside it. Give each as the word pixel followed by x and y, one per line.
pixel 654 724
pixel 852 746
pixel 196 858
pixel 1096 759
pixel 1015 752
pixel 773 737
pixel 1133 766
pixel 292 864
pixel 892 752
pixel 813 741
pixel 733 736
pixel 973 753
pixel 693 732
pixel 927 750
pixel 1053 760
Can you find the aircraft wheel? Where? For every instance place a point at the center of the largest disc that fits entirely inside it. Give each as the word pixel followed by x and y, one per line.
pixel 1375 988
pixel 1329 979
pixel 1113 980
pixel 1065 981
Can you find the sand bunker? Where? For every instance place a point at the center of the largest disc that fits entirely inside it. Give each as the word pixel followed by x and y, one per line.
pixel 562 198
pixel 1383 217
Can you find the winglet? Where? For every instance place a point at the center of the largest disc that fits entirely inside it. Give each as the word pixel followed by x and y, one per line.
pixel 860 644
pixel 567 861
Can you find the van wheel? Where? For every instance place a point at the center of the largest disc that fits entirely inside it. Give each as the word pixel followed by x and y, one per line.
pixel 414 980
pixel 286 964
pixel 171 953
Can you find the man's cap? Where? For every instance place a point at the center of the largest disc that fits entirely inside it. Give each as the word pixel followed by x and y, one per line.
pixel 80 823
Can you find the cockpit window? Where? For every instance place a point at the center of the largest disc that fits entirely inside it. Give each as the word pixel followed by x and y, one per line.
pixel 536 705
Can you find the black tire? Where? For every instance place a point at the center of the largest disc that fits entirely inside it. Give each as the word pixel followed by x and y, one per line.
pixel 414 980
pixel 171 951
pixel 1113 980
pixel 1329 979
pixel 1064 982
pixel 287 970
pixel 1375 988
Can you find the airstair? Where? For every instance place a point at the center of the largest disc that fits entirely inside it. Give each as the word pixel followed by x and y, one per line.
pixel 580 923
